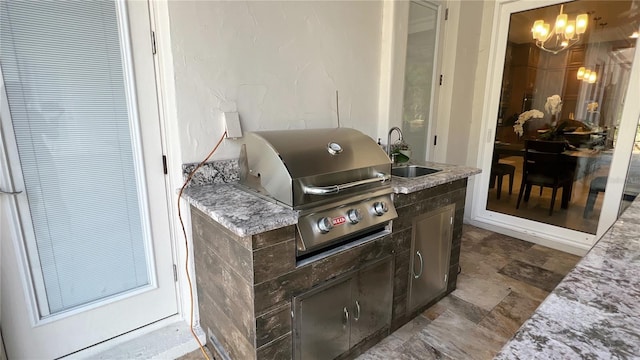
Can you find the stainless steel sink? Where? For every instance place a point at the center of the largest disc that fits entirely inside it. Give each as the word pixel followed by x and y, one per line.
pixel 412 171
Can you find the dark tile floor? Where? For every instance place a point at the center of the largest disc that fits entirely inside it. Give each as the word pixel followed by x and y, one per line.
pixel 503 280
pixel 197 355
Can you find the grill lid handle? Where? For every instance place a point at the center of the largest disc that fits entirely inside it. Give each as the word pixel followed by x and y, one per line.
pixel 334 189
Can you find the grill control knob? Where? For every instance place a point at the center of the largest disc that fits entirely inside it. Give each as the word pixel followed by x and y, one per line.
pixel 380 207
pixel 354 215
pixel 325 225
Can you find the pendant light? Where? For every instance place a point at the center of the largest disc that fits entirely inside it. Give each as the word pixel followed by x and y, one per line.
pixel 565 32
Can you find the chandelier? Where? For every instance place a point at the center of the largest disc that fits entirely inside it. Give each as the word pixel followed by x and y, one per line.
pixel 564 34
pixel 587 75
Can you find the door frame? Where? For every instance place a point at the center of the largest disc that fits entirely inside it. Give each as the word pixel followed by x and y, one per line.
pixel 3 355
pixel 434 117
pixel 395 31
pixel 10 209
pixel 170 133
pixel 448 37
pixel 548 235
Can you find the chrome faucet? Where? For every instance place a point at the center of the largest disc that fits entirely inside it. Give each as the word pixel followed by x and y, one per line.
pixel 395 128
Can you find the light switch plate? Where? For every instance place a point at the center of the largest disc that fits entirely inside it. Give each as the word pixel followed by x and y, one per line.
pixel 232 125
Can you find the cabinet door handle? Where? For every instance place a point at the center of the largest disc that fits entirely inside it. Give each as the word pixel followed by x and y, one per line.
pixel 346 316
pixel 415 276
pixel 357 317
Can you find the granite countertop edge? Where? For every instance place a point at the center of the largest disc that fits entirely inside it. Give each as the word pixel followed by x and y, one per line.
pixel 593 312
pixel 239 211
pixel 447 174
pixel 246 214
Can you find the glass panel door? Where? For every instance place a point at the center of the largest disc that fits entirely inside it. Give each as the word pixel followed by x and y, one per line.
pixel 566 87
pixel 65 87
pixel 419 83
pixel 85 245
pixel 632 181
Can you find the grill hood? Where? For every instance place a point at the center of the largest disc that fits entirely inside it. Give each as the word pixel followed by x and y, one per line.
pixel 303 168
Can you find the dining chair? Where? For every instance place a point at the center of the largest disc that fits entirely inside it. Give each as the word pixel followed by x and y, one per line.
pixel 545 166
pixel 498 171
pixel 596 186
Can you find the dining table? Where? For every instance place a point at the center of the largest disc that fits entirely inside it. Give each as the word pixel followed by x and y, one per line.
pixel 582 138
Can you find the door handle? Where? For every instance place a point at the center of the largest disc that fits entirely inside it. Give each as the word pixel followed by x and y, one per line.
pixel 346 316
pixel 357 317
pixel 416 276
pixel 10 192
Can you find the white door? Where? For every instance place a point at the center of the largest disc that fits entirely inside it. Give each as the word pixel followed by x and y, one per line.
pixel 85 247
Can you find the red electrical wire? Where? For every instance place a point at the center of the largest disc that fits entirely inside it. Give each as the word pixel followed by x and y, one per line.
pixel 186 243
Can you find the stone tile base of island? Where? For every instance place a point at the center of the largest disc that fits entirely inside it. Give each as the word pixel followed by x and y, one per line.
pixel 250 290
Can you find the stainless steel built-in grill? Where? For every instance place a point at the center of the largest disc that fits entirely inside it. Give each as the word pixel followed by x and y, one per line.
pixel 339 179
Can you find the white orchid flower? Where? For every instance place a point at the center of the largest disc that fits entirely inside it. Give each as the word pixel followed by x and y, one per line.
pixel 531 114
pixel 553 105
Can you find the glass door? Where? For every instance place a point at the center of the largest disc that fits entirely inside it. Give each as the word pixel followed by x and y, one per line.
pixel 565 90
pixel 420 78
pixel 93 254
pixel 632 181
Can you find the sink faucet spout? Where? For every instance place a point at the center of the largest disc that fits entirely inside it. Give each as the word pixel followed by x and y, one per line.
pixel 395 128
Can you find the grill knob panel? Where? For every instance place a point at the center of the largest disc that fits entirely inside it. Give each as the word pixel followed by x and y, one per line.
pixel 325 225
pixel 380 208
pixel 354 215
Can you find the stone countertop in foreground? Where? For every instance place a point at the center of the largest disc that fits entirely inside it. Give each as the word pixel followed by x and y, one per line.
pixel 594 313
pixel 246 214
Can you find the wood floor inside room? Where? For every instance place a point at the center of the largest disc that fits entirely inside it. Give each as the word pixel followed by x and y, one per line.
pixel 537 208
pixel 503 280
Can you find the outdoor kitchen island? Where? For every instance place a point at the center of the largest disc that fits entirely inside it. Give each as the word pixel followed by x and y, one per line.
pixel 593 312
pixel 256 301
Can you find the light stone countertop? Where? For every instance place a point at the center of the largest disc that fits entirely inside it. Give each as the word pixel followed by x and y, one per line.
pixel 246 214
pixel 448 174
pixel 241 212
pixel 594 313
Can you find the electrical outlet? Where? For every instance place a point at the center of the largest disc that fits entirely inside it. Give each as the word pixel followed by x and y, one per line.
pixel 232 125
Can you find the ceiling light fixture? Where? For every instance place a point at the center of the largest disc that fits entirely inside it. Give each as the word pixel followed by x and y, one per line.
pixel 587 75
pixel 564 34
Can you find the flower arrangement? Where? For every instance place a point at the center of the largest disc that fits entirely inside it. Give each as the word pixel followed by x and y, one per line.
pixel 553 105
pixel 401 150
pixel 518 126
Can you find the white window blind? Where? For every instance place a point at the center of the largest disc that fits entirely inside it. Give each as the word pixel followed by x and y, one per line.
pixel 63 72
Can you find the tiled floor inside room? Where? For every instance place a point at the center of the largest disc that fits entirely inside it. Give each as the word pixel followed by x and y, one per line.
pixel 503 280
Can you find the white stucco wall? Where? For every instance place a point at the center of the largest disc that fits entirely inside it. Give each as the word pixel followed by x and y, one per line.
pixel 278 64
pixel 462 139
pixel 480 97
